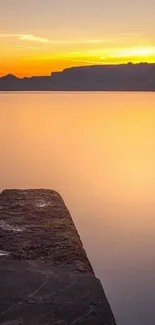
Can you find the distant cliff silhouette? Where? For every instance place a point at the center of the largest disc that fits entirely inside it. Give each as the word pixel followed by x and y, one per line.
pixel 124 77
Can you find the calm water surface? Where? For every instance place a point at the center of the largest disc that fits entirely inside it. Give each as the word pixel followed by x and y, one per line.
pixel 98 151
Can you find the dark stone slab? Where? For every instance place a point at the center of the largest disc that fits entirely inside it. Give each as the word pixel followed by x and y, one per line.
pixel 45 275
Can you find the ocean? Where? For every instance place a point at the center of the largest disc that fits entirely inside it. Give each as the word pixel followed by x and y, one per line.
pixel 98 151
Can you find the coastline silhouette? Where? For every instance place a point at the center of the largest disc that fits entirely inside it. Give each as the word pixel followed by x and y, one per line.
pixel 122 77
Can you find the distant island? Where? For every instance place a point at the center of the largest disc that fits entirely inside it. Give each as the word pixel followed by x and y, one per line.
pixel 123 77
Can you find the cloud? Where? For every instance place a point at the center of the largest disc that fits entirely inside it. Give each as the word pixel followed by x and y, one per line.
pixel 22 46
pixel 90 62
pixel 38 39
pixel 33 38
pixel 26 37
pixel 102 42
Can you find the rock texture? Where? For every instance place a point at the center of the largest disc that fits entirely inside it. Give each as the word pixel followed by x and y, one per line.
pixel 45 275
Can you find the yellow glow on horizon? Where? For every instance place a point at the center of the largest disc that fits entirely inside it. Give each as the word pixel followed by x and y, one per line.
pixel 134 52
pixel 33 59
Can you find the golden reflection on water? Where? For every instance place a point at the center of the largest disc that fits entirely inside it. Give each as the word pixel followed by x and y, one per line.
pixel 98 151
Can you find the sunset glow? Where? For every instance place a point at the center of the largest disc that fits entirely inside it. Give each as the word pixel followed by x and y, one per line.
pixel 38 38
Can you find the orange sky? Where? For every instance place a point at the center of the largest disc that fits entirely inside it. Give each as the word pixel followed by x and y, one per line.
pixel 39 37
pixel 24 60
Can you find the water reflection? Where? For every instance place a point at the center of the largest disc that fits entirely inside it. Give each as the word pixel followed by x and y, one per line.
pixel 97 150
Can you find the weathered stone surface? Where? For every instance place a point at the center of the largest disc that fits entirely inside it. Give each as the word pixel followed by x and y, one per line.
pixel 45 275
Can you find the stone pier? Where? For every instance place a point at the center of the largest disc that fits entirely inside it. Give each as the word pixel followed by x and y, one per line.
pixel 45 275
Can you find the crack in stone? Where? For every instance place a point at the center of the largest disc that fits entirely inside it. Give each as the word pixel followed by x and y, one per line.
pixel 80 319
pixel 40 287
pixel 47 277
pixel 28 297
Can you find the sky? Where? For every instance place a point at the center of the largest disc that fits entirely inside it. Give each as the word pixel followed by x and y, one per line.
pixel 41 36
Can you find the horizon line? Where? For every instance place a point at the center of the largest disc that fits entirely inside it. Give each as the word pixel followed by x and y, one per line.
pixel 74 67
